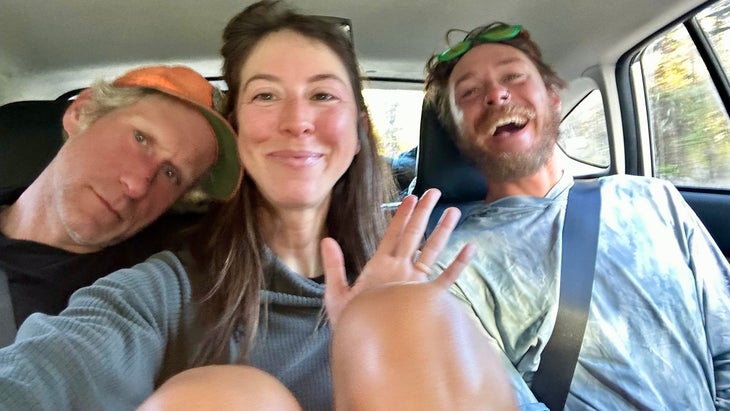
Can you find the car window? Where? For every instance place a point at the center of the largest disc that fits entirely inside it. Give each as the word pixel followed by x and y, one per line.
pixel 396 116
pixel 584 136
pixel 687 123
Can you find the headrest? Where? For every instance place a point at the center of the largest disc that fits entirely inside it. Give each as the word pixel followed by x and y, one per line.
pixel 30 135
pixel 439 164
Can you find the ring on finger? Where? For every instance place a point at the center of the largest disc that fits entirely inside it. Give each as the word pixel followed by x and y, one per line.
pixel 420 266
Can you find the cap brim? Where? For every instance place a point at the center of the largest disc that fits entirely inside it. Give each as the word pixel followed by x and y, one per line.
pixel 223 178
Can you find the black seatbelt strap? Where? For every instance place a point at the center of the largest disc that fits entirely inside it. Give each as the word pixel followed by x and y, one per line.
pixel 8 329
pixel 551 381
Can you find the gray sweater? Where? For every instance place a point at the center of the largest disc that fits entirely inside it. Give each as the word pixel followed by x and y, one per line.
pixel 130 331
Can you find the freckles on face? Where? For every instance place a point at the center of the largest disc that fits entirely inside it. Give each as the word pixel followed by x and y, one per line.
pixel 297 119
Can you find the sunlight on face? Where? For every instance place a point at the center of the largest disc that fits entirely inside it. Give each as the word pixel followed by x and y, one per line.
pixel 507 118
pixel 298 120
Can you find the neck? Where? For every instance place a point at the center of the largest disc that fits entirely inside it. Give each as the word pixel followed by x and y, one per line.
pixel 536 185
pixel 32 218
pixel 294 236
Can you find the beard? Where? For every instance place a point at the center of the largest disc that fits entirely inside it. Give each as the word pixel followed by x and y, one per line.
pixel 505 167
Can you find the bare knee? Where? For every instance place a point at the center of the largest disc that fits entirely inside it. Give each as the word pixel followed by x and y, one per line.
pixel 221 387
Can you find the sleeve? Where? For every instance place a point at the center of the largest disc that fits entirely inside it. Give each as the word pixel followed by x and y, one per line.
pixel 712 281
pixel 525 398
pixel 105 349
pixel 712 273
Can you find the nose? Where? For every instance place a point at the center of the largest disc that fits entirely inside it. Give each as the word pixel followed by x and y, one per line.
pixel 296 117
pixel 496 94
pixel 137 177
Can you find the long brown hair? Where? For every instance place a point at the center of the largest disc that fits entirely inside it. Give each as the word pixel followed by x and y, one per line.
pixel 232 254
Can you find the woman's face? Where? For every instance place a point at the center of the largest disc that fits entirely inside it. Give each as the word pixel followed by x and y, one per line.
pixel 297 120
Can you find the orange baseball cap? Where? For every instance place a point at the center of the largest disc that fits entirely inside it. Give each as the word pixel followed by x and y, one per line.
pixel 224 177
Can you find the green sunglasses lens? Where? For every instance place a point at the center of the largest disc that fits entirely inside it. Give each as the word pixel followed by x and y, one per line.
pixel 492 35
pixel 500 33
pixel 456 51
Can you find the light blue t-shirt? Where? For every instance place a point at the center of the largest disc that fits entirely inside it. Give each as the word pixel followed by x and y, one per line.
pixel 658 331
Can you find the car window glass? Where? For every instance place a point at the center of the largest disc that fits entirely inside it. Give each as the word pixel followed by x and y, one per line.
pixel 396 116
pixel 715 21
pixel 688 123
pixel 583 132
pixel 396 119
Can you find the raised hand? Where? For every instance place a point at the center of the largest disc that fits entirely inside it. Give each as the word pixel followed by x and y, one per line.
pixel 394 261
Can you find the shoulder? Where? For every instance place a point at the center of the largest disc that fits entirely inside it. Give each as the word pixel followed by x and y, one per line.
pixel 629 180
pixel 161 280
pixel 624 185
pixel 645 196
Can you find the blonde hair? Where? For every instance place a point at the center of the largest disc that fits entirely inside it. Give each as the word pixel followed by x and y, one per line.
pixel 104 98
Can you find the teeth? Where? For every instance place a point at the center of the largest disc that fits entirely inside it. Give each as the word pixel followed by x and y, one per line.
pixel 518 121
pixel 519 116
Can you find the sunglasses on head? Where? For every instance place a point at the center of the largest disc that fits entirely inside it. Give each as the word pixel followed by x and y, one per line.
pixel 492 34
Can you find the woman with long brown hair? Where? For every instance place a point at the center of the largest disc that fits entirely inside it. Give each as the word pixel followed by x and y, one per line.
pixel 251 288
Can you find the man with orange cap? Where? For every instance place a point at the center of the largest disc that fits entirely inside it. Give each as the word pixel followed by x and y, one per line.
pixel 134 146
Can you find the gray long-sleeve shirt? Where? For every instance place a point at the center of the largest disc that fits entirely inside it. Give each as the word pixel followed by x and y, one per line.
pixel 658 331
pixel 130 331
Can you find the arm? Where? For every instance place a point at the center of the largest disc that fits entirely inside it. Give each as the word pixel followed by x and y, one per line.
pixel 712 273
pixel 104 350
pixel 525 398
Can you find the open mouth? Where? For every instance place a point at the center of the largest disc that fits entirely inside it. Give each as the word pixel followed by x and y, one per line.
pixel 507 120
pixel 507 126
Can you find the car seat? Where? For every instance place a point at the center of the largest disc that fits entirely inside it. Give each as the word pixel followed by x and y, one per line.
pixel 440 165
pixel 30 135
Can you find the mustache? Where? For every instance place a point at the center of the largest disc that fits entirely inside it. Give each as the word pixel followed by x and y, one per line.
pixel 495 117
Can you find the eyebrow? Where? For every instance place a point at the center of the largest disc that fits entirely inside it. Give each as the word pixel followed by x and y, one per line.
pixel 313 79
pixel 503 62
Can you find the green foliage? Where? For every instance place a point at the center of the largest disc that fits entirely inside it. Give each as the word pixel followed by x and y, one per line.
pixel 690 127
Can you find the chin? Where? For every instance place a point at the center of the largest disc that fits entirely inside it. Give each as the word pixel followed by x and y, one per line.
pixel 93 236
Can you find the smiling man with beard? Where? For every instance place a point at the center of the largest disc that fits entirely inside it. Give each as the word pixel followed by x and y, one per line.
pixel 657 335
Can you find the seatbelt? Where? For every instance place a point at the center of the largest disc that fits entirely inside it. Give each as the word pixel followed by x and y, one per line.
pixel 551 381
pixel 8 329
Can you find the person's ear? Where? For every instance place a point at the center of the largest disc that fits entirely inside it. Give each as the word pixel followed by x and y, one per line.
pixel 555 101
pixel 72 118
